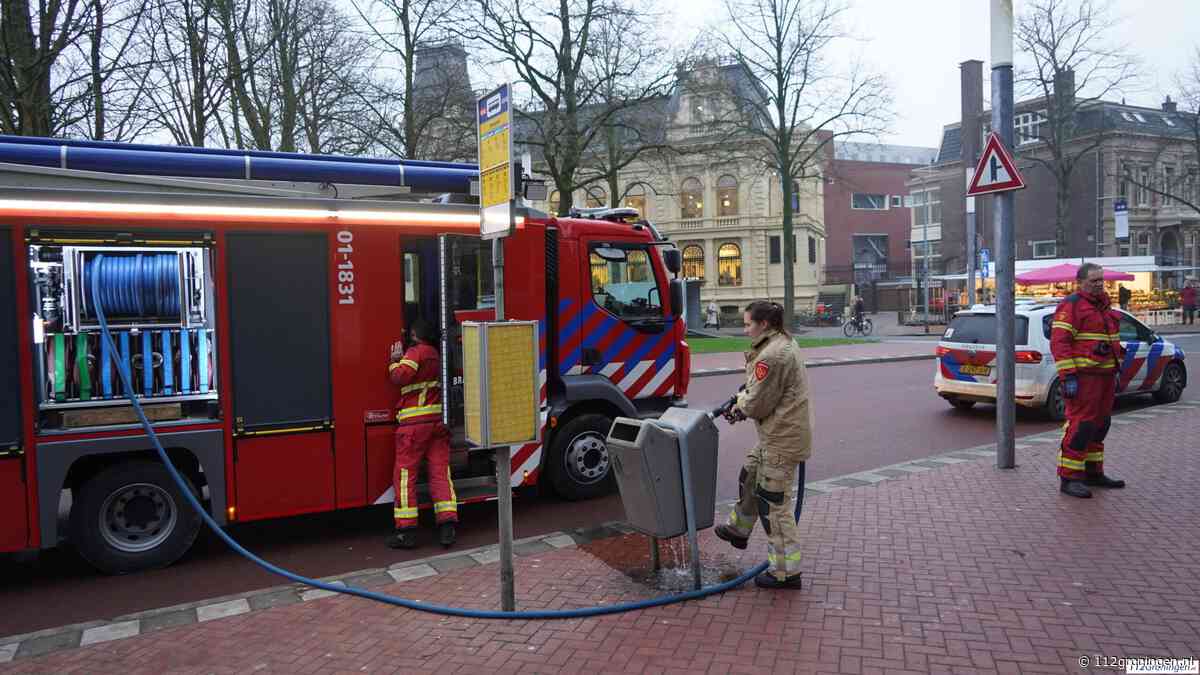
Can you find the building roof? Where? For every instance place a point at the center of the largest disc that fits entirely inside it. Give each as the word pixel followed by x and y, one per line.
pixel 884 154
pixel 1100 116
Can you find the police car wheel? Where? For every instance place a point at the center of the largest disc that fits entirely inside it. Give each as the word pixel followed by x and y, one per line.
pixel 132 517
pixel 579 464
pixel 1171 388
pixel 1056 406
pixel 962 404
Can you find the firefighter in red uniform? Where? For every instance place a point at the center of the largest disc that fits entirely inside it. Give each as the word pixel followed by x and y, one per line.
pixel 421 435
pixel 1086 342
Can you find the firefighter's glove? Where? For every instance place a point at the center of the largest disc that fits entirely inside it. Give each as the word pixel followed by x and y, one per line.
pixel 1070 386
pixel 734 416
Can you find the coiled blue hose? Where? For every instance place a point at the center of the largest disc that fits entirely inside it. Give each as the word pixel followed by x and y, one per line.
pixel 353 590
pixel 141 285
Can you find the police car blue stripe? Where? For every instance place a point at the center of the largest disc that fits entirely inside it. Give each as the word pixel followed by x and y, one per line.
pixel 1131 350
pixel 1152 360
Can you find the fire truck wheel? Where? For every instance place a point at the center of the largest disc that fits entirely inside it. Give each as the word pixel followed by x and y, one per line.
pixel 132 517
pixel 579 464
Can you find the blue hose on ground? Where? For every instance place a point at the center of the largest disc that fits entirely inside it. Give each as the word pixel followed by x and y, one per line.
pixel 360 592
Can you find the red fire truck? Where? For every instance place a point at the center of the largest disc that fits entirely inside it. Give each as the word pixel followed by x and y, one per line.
pixel 254 296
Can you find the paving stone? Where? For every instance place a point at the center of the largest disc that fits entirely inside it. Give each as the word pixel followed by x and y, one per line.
pixel 113 631
pixel 850 482
pixel 276 599
pixel 179 617
pixel 532 547
pixel 48 644
pixel 373 580
pixel 452 563
pixel 7 652
pixel 560 541
pixel 412 572
pixel 486 556
pixel 222 610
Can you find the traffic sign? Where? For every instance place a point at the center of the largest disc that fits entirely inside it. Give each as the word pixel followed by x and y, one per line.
pixel 984 256
pixel 495 163
pixel 1121 217
pixel 996 171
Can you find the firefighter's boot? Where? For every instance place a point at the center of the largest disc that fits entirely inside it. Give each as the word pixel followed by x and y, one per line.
pixel 1100 480
pixel 447 534
pixel 1075 488
pixel 769 580
pixel 730 535
pixel 405 539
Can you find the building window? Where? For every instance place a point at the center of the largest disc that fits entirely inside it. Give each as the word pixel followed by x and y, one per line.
pixel 1045 249
pixel 795 196
pixel 1142 194
pixel 775 250
pixel 1123 176
pixel 1168 184
pixel 596 197
pixel 691 199
pixel 693 262
pixel 868 202
pixel 553 202
pixel 897 201
pixel 812 250
pixel 933 246
pixel 729 265
pixel 927 207
pixel 727 196
pixel 1027 126
pixel 1143 243
pixel 635 198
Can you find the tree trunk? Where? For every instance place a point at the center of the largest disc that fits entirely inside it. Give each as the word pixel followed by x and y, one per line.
pixel 97 78
pixel 1062 217
pixel 789 253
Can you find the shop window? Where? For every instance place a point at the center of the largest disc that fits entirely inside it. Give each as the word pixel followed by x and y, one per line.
pixel 729 265
pixel 693 262
pixel 1045 249
pixel 727 196
pixel 691 199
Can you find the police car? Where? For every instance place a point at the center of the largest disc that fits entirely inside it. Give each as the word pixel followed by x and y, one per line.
pixel 966 360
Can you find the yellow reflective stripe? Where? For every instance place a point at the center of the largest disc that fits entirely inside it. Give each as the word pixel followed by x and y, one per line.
pixel 405 362
pixel 404 513
pixel 1065 326
pixel 418 386
pixel 403 496
pixel 774 558
pixel 740 523
pixel 1095 456
pixel 442 507
pixel 418 411
pixel 1092 336
pixel 1085 362
pixel 1065 364
pixel 450 481
pixel 1066 463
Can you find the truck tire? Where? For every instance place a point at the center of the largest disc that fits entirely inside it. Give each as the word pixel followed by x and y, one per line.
pixel 579 465
pixel 132 517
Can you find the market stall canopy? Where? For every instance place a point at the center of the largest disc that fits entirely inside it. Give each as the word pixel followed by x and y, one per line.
pixel 1065 272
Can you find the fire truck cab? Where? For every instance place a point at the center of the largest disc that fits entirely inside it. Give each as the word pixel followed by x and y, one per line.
pixel 254 298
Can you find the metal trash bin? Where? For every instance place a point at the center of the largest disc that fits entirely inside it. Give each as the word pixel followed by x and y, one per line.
pixel 645 457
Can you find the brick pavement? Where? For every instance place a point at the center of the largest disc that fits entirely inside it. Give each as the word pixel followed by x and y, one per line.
pixel 958 568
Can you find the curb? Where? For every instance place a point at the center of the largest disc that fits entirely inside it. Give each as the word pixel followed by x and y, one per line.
pixel 824 363
pixel 50 640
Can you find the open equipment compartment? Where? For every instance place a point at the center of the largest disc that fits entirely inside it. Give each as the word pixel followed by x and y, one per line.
pixel 157 297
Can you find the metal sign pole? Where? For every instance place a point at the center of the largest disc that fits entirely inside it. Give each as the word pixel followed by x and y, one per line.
pixel 972 242
pixel 1002 124
pixel 508 601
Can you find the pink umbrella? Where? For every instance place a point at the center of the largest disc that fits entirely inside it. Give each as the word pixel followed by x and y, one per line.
pixel 1065 272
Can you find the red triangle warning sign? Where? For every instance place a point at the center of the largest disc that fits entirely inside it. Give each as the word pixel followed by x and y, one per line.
pixel 996 171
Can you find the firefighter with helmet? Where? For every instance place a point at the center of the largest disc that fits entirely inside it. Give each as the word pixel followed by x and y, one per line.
pixel 421 435
pixel 1085 340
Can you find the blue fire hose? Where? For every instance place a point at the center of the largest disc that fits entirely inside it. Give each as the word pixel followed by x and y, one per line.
pixel 123 370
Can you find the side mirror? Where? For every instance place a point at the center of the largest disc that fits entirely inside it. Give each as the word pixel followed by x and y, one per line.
pixel 673 259
pixel 677 298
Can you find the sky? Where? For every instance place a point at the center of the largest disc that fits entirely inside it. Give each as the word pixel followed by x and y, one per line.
pixel 918 45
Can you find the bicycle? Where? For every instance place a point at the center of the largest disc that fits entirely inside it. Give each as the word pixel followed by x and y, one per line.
pixel 852 327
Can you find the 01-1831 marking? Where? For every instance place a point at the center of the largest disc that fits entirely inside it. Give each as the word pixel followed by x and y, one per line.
pixel 345 275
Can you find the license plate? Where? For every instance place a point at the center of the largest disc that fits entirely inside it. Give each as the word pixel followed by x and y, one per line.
pixel 975 370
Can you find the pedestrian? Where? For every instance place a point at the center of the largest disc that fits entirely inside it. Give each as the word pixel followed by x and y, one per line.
pixel 1187 297
pixel 1123 296
pixel 776 398
pixel 714 315
pixel 416 369
pixel 1085 340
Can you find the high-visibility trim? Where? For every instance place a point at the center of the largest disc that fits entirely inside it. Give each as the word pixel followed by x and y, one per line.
pixel 404 513
pixel 1065 326
pixel 417 411
pixel 738 522
pixel 1093 336
pixel 443 507
pixel 418 386
pixel 1065 364
pixel 1095 456
pixel 1085 362
pixel 402 495
pixel 1068 463
pixel 450 482
pixel 774 558
pixel 403 362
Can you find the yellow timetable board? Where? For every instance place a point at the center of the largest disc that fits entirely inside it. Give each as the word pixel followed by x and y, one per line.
pixel 495 186
pixel 494 122
pixel 501 384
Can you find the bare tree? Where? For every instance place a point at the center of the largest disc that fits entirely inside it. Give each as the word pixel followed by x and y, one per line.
pixel 1074 64
pixel 795 103
pixel 115 58
pixel 32 43
pixel 551 44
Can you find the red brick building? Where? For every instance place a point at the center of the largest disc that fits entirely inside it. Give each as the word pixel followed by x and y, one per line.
pixel 867 225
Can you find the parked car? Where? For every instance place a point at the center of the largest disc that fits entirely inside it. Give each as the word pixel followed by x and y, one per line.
pixel 965 373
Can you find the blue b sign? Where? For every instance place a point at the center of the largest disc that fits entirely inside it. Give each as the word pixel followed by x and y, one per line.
pixel 984 255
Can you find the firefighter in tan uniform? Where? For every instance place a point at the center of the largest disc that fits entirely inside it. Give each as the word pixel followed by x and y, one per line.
pixel 776 398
